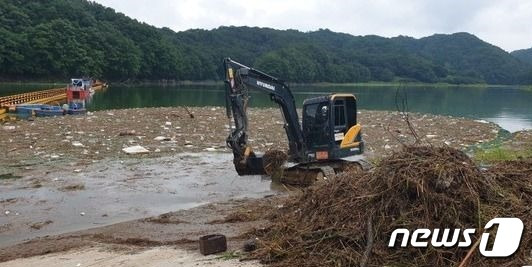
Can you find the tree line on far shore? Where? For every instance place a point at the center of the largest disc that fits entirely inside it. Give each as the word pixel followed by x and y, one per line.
pixel 59 39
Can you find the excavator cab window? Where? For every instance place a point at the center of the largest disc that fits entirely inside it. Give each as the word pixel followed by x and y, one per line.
pixel 339 114
pixel 345 116
pixel 340 123
pixel 316 124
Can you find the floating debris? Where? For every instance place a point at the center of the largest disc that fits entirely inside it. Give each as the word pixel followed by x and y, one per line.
pixel 162 138
pixel 127 133
pixel 77 144
pixel 39 225
pixel 135 150
pixel 102 131
pixel 75 187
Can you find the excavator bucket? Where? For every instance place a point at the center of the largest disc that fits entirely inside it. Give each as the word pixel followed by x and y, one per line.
pixel 249 164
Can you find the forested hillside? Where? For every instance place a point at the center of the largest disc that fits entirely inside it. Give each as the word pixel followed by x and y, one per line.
pixel 58 39
pixel 525 55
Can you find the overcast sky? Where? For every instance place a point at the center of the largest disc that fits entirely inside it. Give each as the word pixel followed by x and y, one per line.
pixel 507 24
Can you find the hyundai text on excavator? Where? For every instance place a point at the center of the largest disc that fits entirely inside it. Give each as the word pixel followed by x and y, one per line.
pixel 326 142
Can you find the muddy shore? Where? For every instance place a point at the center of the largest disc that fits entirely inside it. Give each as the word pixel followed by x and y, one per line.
pixel 176 229
pixel 80 158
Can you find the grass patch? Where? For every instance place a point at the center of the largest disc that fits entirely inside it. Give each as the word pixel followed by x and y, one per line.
pixel 501 154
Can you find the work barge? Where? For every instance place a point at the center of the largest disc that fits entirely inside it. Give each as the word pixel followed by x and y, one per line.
pixel 9 103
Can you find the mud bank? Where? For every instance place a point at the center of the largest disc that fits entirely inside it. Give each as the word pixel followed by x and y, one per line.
pixel 179 229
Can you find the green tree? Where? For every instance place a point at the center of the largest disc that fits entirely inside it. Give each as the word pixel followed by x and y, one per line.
pixel 57 39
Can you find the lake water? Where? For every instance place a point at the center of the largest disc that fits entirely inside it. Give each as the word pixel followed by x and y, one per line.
pixel 510 107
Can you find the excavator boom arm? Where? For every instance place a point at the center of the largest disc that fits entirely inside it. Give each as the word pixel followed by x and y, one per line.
pixel 239 80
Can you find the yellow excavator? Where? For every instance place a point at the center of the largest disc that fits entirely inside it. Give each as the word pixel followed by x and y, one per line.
pixel 327 141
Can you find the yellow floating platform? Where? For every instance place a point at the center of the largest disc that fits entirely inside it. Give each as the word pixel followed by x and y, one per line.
pixel 47 99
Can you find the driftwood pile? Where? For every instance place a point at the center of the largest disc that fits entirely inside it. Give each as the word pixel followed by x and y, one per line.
pixel 349 220
pixel 273 160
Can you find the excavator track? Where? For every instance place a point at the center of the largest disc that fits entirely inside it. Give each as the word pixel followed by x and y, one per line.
pixel 308 174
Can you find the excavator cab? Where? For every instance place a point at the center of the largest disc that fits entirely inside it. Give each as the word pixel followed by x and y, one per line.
pixel 330 127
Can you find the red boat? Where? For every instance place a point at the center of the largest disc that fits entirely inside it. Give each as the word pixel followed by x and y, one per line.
pixel 78 93
pixel 79 89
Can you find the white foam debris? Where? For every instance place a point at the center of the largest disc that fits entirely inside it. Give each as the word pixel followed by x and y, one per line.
pixel 135 150
pixel 77 144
